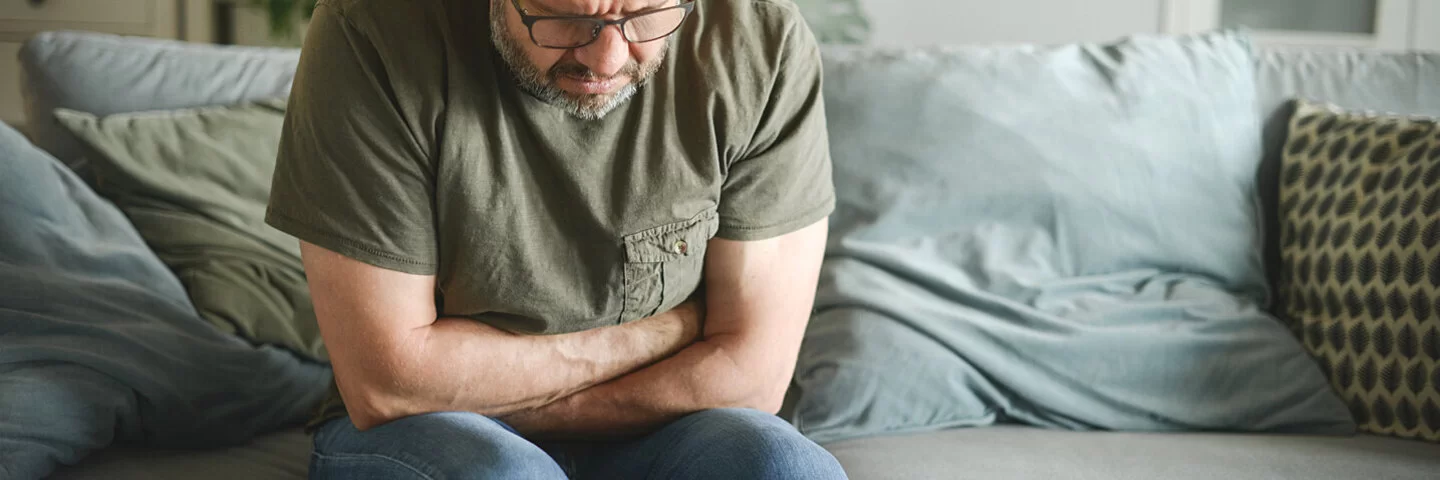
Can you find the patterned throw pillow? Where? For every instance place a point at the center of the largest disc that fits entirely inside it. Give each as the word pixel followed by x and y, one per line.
pixel 1360 203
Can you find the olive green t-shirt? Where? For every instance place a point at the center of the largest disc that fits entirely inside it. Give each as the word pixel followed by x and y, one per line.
pixel 408 145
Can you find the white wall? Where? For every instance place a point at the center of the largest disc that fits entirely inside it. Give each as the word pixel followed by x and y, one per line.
pixel 1403 24
pixel 929 22
pixel 1427 12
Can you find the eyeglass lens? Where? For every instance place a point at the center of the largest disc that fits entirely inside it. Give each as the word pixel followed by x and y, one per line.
pixel 569 33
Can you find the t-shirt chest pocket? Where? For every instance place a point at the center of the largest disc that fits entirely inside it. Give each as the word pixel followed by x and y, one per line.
pixel 664 265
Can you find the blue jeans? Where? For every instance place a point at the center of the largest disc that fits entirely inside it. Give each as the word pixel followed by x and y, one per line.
pixel 720 444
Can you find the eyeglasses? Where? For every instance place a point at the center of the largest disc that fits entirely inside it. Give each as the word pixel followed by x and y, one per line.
pixel 566 32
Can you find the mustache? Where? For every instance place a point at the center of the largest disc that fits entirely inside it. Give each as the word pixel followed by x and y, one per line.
pixel 577 70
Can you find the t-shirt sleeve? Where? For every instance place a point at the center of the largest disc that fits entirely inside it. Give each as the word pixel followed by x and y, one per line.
pixel 782 181
pixel 354 172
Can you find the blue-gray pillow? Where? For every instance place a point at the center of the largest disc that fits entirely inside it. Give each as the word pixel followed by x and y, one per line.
pixel 99 343
pixel 104 74
pixel 1059 236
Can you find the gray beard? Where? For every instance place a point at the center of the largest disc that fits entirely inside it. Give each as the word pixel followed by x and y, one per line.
pixel 538 84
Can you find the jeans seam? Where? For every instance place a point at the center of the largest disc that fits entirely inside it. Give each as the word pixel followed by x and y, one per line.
pixel 370 456
pixel 650 471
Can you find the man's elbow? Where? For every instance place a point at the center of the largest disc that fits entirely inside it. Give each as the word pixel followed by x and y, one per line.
pixel 768 404
pixel 752 395
pixel 372 409
pixel 770 395
pixel 745 386
pixel 375 395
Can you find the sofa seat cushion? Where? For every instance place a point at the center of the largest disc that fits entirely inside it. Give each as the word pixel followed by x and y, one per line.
pixel 278 456
pixel 1021 452
pixel 987 453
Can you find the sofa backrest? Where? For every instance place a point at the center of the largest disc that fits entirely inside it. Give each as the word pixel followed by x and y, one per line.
pixel 1401 83
pixel 102 74
pixel 105 74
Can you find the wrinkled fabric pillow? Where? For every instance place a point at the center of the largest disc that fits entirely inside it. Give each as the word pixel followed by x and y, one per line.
pixel 1058 236
pixel 99 343
pixel 195 183
pixel 104 73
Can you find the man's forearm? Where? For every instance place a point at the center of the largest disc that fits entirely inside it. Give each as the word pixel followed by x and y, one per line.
pixel 458 364
pixel 705 375
pixel 758 302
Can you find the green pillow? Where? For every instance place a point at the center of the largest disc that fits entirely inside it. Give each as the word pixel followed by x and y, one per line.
pixel 195 183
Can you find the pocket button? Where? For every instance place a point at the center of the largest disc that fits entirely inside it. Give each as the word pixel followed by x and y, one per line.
pixel 681 247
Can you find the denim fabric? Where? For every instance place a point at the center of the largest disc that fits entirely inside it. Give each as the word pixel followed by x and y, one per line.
pixel 718 444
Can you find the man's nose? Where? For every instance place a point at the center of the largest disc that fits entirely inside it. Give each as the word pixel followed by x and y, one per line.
pixel 608 54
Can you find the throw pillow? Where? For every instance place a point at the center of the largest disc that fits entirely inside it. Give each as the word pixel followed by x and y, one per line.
pixel 1058 236
pixel 104 73
pixel 195 183
pixel 99 344
pixel 1360 206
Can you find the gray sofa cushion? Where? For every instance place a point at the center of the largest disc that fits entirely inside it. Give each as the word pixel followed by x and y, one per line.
pixel 105 74
pixel 1027 453
pixel 1405 83
pixel 277 456
pixel 1402 83
pixel 984 453
pixel 1055 236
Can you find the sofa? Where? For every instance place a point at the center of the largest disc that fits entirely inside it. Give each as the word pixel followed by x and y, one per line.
pixel 105 75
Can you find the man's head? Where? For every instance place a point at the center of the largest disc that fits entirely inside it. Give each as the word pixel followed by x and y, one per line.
pixel 582 65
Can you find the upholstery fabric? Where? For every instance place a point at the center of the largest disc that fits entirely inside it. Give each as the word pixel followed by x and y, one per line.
pixel 282 455
pixel 990 453
pixel 1360 203
pixel 1010 452
pixel 99 343
pixel 104 74
pixel 1405 83
pixel 1062 236
pixel 195 183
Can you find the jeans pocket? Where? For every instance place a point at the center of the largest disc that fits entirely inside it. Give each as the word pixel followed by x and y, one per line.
pixel 663 265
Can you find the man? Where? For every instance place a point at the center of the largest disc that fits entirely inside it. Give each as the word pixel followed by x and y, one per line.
pixel 551 238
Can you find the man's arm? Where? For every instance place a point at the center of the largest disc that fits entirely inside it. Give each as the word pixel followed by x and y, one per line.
pixel 394 358
pixel 758 300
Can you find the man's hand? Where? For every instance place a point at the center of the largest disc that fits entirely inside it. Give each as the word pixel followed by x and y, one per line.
pixel 758 301
pixel 393 358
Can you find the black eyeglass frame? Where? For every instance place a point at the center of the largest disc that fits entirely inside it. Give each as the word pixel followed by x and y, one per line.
pixel 599 23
